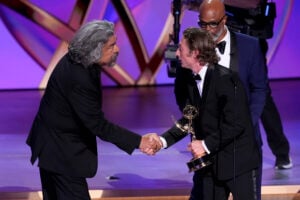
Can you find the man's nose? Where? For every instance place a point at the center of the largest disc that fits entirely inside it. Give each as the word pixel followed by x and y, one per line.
pixel 177 53
pixel 116 49
pixel 207 28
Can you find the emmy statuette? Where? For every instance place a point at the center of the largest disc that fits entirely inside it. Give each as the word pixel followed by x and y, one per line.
pixel 196 163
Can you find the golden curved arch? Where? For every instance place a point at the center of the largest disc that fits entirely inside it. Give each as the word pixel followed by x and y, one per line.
pixel 148 66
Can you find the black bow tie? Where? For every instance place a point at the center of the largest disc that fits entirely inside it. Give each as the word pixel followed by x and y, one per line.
pixel 221 46
pixel 197 77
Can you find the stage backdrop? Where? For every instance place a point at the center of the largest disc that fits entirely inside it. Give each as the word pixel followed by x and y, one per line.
pixel 35 34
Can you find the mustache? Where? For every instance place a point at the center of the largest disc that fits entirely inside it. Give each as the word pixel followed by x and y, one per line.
pixel 115 56
pixel 113 60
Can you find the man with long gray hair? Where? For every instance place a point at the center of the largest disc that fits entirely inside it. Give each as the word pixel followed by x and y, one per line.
pixel 70 117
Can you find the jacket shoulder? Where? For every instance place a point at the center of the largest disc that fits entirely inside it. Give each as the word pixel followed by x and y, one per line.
pixel 224 74
pixel 222 71
pixel 244 36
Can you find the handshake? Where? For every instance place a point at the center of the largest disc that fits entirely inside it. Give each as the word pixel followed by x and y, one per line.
pixel 150 144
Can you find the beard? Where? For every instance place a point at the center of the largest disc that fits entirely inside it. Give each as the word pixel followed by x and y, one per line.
pixel 113 60
pixel 217 35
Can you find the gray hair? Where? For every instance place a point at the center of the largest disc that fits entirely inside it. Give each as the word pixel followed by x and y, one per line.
pixel 86 46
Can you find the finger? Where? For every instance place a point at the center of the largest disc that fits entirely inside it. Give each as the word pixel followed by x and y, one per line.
pixel 147 151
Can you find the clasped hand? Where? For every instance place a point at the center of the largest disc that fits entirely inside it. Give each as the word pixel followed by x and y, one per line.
pixel 150 144
pixel 196 148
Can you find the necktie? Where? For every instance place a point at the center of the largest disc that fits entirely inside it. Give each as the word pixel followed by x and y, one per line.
pixel 197 77
pixel 221 46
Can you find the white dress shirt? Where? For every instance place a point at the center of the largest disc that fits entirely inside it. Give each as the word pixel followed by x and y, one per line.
pixel 200 83
pixel 225 57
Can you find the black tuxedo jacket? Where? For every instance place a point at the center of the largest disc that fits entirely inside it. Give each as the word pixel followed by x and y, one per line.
pixel 223 122
pixel 63 134
pixel 247 60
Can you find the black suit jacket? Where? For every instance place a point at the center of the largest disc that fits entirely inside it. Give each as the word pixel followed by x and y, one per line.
pixel 63 134
pixel 224 120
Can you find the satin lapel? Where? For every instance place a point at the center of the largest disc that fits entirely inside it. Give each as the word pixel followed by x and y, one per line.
pixel 194 93
pixel 234 59
pixel 95 73
pixel 207 80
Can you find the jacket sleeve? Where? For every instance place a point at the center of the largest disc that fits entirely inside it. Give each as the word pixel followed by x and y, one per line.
pixel 85 100
pixel 174 134
pixel 257 77
pixel 258 85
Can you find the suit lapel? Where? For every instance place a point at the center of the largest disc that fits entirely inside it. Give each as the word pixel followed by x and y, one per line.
pixel 234 65
pixel 194 95
pixel 95 73
pixel 207 80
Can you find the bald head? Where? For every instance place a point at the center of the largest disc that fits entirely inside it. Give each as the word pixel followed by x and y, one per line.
pixel 212 18
pixel 214 8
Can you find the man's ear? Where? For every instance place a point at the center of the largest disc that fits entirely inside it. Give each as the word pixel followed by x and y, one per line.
pixel 224 19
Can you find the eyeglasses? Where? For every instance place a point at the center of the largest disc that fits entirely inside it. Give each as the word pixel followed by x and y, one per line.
pixel 210 24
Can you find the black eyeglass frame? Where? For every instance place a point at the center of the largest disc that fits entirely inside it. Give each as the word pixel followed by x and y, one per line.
pixel 202 24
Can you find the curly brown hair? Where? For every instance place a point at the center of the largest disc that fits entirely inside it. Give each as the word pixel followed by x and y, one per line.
pixel 201 40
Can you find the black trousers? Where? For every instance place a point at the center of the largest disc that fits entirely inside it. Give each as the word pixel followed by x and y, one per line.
pixel 59 187
pixel 272 124
pixel 207 187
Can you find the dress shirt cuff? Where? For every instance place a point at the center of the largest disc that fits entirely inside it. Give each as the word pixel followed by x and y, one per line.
pixel 205 147
pixel 163 141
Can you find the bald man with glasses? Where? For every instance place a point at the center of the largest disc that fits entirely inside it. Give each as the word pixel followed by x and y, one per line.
pixel 204 25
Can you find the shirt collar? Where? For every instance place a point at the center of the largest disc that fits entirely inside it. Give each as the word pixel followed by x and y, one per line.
pixel 226 38
pixel 202 72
